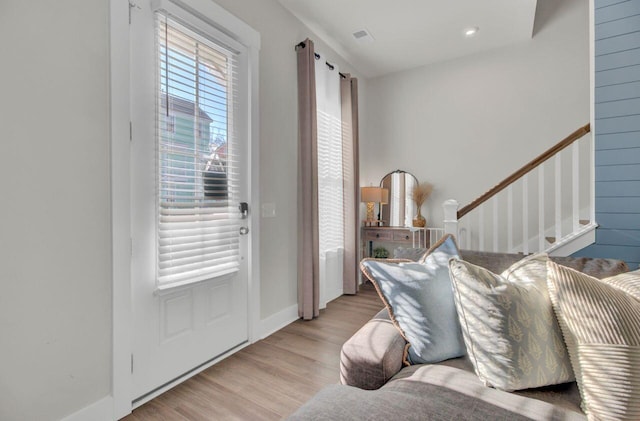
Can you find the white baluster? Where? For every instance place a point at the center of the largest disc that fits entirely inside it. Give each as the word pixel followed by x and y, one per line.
pixel 495 224
pixel 510 218
pixel 481 228
pixel 592 179
pixel 462 239
pixel 558 191
pixel 525 214
pixel 576 186
pixel 541 239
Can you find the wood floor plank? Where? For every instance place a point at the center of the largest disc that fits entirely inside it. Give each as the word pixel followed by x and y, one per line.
pixel 303 365
pixel 199 400
pixel 243 375
pixel 156 410
pixel 325 352
pixel 271 378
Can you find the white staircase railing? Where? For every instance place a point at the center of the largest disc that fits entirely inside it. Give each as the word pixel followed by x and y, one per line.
pixel 547 205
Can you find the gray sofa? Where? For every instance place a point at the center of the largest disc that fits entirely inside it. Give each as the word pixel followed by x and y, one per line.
pixel 376 385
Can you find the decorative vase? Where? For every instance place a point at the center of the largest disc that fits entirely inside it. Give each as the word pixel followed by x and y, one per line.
pixel 419 220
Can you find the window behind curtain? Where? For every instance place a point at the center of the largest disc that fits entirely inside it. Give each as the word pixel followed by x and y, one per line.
pixel 197 182
pixel 330 190
pixel 330 181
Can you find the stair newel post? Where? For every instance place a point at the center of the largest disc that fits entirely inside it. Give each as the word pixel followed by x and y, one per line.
pixel 451 217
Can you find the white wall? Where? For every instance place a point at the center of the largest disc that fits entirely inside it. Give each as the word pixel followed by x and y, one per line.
pixel 55 302
pixel 464 125
pixel 280 31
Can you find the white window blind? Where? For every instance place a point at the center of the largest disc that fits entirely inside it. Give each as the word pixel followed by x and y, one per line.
pixel 330 181
pixel 330 178
pixel 198 220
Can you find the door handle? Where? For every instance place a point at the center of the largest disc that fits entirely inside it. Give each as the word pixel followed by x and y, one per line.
pixel 244 210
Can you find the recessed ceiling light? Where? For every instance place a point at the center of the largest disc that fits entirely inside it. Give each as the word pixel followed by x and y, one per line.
pixel 470 31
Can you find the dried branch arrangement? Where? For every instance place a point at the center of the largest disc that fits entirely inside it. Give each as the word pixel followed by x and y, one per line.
pixel 421 192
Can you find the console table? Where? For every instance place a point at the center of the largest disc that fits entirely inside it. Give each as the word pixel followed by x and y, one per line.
pixel 405 236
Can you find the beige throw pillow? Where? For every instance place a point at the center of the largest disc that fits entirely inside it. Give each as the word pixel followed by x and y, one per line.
pixel 600 321
pixel 628 282
pixel 509 328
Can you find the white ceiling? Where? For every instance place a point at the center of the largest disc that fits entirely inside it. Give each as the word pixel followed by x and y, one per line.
pixel 413 33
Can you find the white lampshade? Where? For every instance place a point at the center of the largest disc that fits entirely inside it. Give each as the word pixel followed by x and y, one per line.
pixel 371 194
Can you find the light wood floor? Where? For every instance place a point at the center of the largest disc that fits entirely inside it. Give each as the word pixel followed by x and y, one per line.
pixel 269 379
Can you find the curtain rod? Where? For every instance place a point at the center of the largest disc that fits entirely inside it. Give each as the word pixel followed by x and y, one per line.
pixel 329 65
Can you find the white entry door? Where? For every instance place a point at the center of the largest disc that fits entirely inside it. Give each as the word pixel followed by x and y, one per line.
pixel 189 170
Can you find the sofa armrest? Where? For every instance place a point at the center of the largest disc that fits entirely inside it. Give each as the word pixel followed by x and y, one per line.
pixel 372 355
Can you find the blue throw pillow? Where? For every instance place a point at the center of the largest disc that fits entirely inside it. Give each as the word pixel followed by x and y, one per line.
pixel 419 297
pixel 410 253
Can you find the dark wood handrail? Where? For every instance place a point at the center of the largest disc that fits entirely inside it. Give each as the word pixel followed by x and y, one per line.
pixel 525 169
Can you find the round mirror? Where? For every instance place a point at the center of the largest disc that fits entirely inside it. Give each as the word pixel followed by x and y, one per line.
pixel 400 209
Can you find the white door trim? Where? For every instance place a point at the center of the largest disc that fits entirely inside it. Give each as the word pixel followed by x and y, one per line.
pixel 122 315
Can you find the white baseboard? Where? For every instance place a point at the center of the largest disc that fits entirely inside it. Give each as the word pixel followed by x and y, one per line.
pixel 277 321
pixel 101 410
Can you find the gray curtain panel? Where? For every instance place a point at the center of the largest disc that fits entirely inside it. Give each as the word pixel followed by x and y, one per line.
pixel 308 245
pixel 351 183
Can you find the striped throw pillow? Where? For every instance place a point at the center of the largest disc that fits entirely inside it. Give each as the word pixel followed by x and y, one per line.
pixel 600 321
pixel 628 282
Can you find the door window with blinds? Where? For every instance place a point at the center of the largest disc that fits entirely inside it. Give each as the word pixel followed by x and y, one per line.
pixel 197 176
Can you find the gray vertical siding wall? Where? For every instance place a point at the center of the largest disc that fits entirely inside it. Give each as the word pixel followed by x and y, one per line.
pixel 617 130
